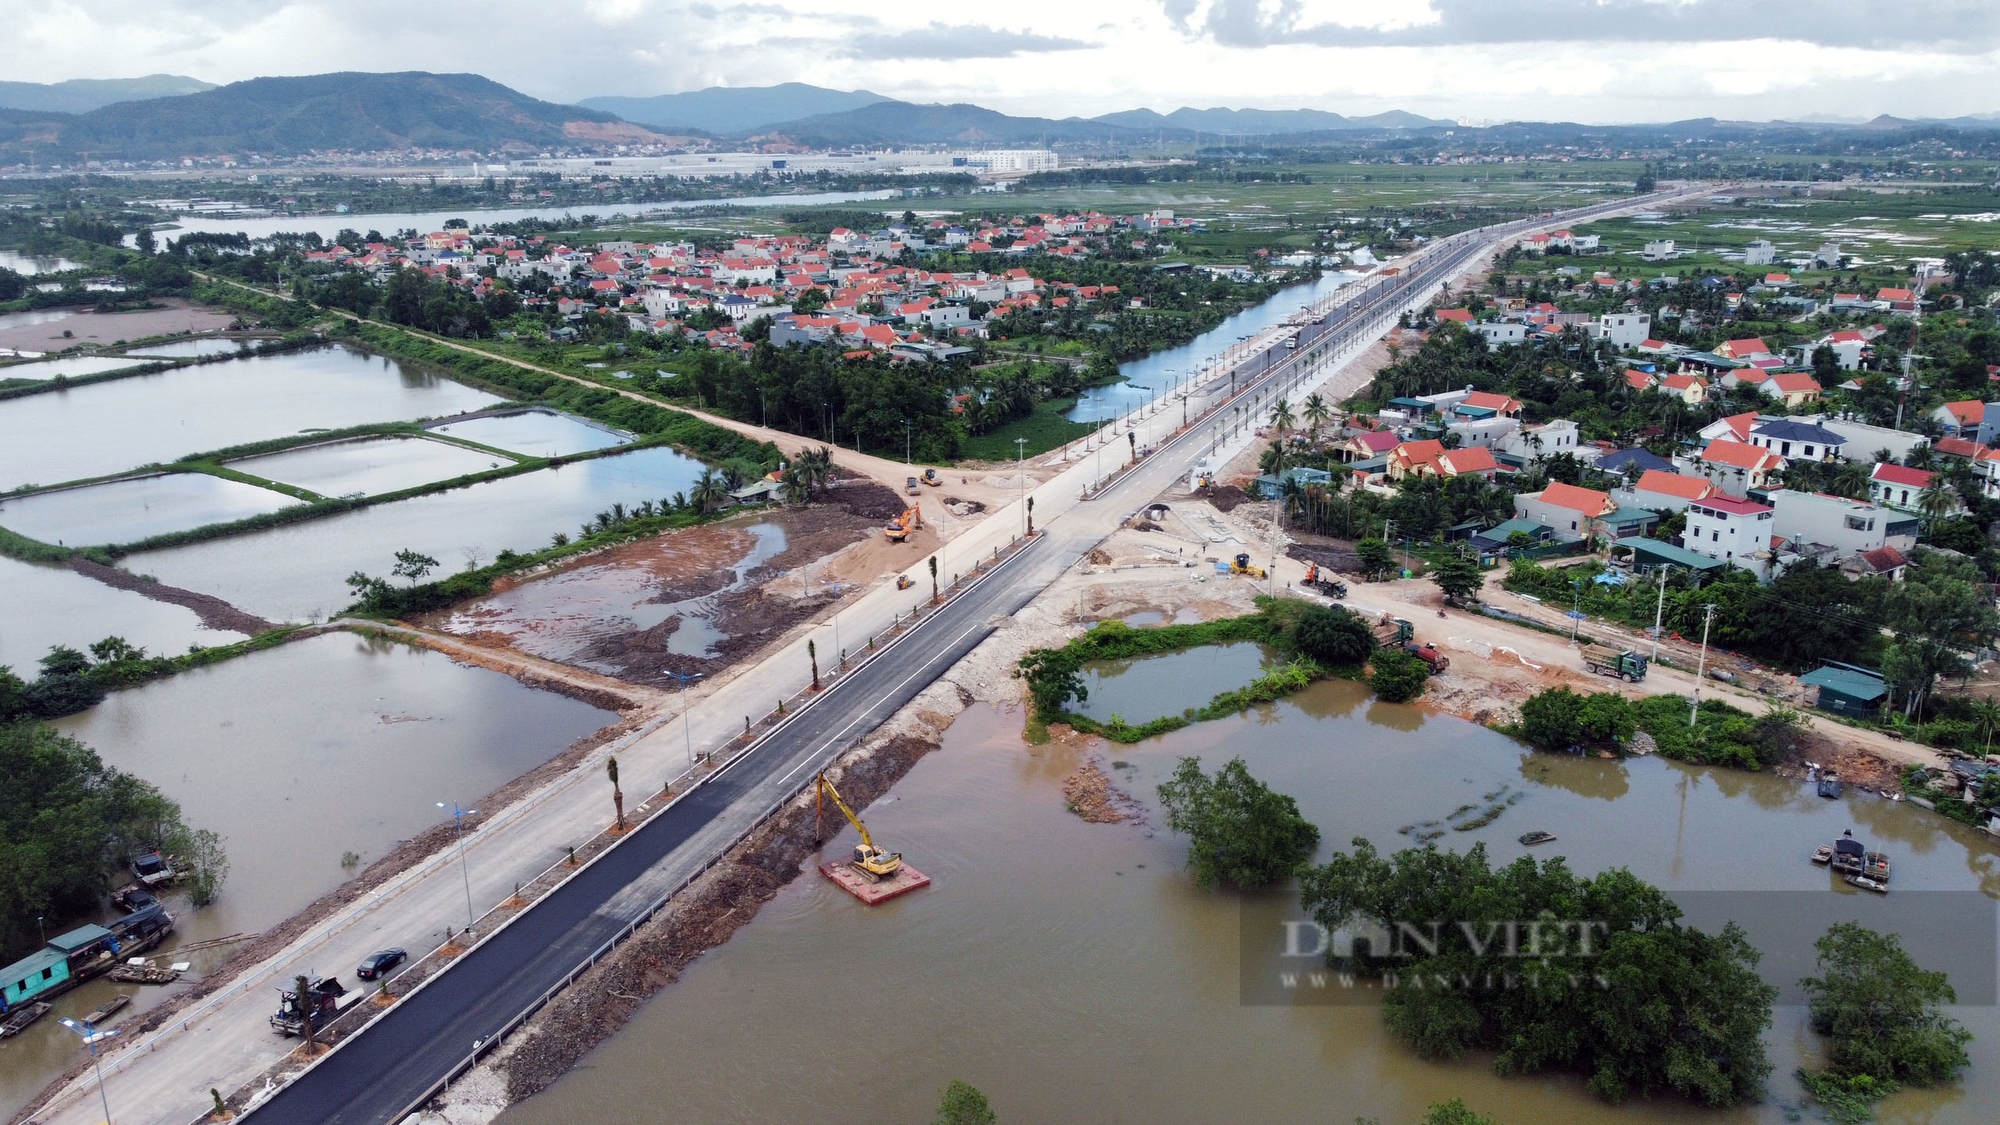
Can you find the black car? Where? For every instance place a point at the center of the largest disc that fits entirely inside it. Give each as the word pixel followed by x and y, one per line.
pixel 378 963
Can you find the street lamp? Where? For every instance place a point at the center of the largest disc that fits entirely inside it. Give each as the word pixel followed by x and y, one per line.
pixel 458 815
pixel 90 1037
pixel 1021 471
pixel 687 735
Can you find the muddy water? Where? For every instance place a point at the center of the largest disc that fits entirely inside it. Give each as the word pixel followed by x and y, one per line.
pixel 46 605
pixel 28 265
pixel 126 511
pixel 296 755
pixel 536 433
pixel 109 427
pixel 299 571
pixel 371 466
pixel 1075 974
pixel 587 615
pixel 1153 687
pixel 182 348
pixel 68 367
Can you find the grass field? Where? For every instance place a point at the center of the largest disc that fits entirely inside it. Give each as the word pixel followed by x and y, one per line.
pixel 1045 429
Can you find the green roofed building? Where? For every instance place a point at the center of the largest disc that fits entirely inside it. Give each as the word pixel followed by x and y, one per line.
pixel 1847 689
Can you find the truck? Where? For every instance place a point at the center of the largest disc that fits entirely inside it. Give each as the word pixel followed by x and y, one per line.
pixel 1331 587
pixel 1626 665
pixel 322 1000
pixel 1430 655
pixel 1392 631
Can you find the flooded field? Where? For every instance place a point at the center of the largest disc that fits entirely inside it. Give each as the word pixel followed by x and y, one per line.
pixel 370 466
pixel 68 367
pixel 126 511
pixel 535 433
pixel 52 330
pixel 29 264
pixel 49 605
pixel 1074 973
pixel 299 571
pixel 109 427
pixel 1169 683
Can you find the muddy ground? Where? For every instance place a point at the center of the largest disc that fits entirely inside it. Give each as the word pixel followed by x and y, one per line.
pixel 695 601
pixel 213 611
pixel 90 327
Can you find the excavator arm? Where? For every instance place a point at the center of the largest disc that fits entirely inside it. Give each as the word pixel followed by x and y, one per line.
pixel 869 860
pixel 826 789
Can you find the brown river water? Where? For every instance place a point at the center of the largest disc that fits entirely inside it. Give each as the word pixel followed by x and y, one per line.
pixel 1074 973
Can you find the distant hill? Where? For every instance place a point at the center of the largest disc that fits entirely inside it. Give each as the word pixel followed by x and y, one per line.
pixel 289 116
pixel 734 109
pixel 890 122
pixel 1266 122
pixel 81 95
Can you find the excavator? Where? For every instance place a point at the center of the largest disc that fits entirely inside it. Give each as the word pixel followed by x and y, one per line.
pixel 1242 565
pixel 872 862
pixel 899 529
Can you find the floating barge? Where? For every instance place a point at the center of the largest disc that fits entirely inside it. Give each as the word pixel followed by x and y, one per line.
pixel 905 880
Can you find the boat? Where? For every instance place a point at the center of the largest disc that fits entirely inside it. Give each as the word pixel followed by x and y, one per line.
pixel 1875 865
pixel 1848 856
pixel 1829 784
pixel 1537 837
pixel 1823 854
pixel 145 972
pixel 18 1020
pixel 1867 884
pixel 106 1010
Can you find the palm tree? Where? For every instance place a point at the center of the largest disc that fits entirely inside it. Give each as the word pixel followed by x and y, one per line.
pixel 1282 417
pixel 1316 413
pixel 797 485
pixel 617 796
pixel 1986 713
pixel 709 491
pixel 1936 501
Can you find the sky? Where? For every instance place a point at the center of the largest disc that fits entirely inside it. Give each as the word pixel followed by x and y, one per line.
pixel 1480 61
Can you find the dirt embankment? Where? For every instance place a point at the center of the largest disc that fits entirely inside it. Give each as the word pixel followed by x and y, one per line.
pixel 706 915
pixel 213 611
pixel 1089 793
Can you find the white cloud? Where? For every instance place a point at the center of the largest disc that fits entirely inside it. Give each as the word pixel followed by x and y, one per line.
pixel 1579 60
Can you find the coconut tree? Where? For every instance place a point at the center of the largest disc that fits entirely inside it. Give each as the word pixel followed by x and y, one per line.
pixel 1316 412
pixel 709 491
pixel 1936 501
pixel 1282 417
pixel 934 584
pixel 617 795
pixel 812 654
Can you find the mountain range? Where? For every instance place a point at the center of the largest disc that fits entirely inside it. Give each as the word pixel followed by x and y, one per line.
pixel 165 117
pixel 292 116
pixel 81 95
pixel 734 109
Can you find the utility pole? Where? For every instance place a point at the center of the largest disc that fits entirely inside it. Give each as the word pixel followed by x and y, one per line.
pixel 1659 612
pixel 1701 665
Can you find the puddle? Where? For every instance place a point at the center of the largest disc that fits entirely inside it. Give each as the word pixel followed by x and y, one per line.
pixel 69 367
pixel 1151 687
pixel 534 433
pixel 182 349
pixel 126 511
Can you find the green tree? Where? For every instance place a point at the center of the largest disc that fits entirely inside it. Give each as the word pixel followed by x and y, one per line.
pixel 1458 575
pixel 1881 1012
pixel 1455 1112
pixel 411 566
pixel 963 1104
pixel 1607 717
pixel 1054 676
pixel 1553 719
pixel 1333 636
pixel 1240 831
pixel 1316 412
pixel 1376 559
pixel 1396 676
pixel 617 794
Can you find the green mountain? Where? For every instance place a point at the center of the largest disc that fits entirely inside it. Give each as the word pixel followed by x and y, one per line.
pixel 891 122
pixel 1267 122
pixel 290 116
pixel 734 109
pixel 81 95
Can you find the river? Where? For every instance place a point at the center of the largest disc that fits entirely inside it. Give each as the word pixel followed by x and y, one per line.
pixel 1074 973
pixel 388 223
pixel 296 755
pixel 1152 376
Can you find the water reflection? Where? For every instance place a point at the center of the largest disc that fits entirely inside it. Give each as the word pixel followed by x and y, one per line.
pixel 535 433
pixel 1584 776
pixel 126 511
pixel 49 605
pixel 370 466
pixel 1149 687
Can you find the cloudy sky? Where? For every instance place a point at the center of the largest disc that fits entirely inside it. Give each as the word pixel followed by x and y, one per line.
pixel 1477 60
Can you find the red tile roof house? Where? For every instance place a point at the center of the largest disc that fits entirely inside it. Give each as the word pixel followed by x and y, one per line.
pixel 1897 486
pixel 1795 387
pixel 1960 419
pixel 1462 316
pixel 1661 491
pixel 1565 507
pixel 1736 468
pixel 1743 349
pixel 1415 459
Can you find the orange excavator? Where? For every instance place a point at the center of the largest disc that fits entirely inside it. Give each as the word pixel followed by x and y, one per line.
pixel 899 529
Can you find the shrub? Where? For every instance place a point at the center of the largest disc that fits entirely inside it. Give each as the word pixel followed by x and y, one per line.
pixel 1333 636
pixel 1397 676
pixel 1240 831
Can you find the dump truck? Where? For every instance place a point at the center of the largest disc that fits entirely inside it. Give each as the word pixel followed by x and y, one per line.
pixel 1430 655
pixel 1242 565
pixel 1627 665
pixel 322 1000
pixel 1331 587
pixel 1392 631
pixel 911 520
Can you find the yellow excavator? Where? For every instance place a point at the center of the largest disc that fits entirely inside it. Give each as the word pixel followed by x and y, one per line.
pixel 872 862
pixel 912 519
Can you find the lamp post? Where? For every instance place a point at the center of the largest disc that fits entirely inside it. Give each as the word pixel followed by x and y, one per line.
pixel 458 816
pixel 90 1037
pixel 687 735
pixel 1021 472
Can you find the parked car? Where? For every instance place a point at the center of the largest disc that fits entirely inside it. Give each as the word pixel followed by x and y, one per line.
pixel 378 963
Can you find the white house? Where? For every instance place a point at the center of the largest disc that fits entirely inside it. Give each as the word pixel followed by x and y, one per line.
pixel 1658 250
pixel 1485 433
pixel 1737 532
pixel 1795 437
pixel 1558 435
pixel 1760 253
pixel 1623 330
pixel 1501 333
pixel 1847 526
pixel 1898 486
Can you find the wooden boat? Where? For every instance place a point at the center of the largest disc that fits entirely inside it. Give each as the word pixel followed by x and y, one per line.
pixel 1829 784
pixel 106 1010
pixel 1867 884
pixel 18 1020
pixel 1823 854
pixel 1537 837
pixel 1877 866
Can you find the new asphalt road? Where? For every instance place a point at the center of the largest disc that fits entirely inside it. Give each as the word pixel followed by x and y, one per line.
pixel 379 1075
